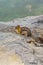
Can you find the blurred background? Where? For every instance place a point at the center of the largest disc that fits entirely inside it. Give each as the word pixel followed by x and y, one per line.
pixel 10 9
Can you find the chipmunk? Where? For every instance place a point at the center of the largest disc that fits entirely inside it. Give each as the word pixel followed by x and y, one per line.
pixel 23 30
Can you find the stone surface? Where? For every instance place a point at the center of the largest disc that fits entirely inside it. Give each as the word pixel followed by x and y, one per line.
pixel 14 46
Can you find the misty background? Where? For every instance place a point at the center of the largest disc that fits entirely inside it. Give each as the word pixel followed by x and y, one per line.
pixel 10 9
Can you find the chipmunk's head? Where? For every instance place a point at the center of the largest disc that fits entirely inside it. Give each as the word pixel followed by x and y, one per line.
pixel 18 29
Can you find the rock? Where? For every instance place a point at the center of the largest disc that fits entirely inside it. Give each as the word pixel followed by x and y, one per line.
pixel 40 21
pixel 41 39
pixel 35 35
pixel 38 35
pixel 31 40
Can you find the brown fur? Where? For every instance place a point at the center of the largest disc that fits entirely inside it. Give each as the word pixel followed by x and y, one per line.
pixel 23 30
